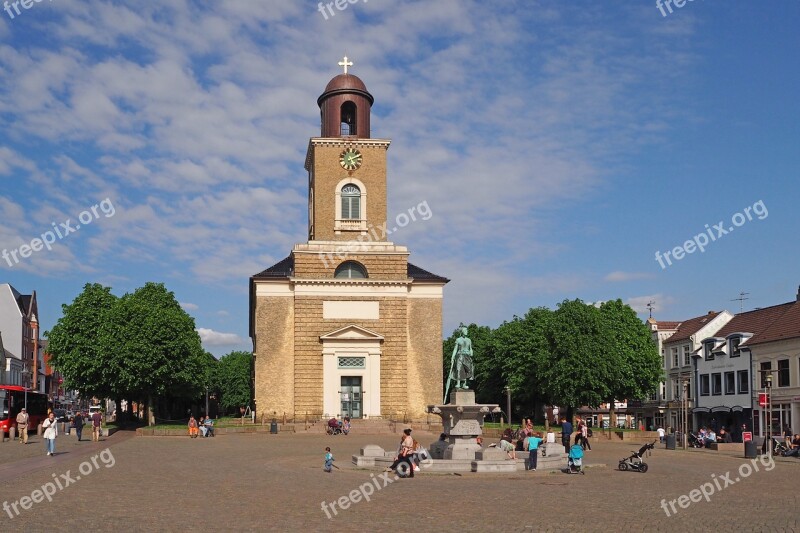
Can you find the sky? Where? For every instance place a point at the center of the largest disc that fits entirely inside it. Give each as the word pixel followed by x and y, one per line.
pixel 563 150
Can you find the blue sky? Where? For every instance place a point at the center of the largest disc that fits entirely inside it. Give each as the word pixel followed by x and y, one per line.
pixel 558 147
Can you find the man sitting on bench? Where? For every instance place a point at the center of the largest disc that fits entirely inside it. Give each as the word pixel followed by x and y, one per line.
pixel 209 424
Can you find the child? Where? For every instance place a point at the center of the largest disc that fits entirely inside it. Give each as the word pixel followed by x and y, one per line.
pixel 532 445
pixel 328 460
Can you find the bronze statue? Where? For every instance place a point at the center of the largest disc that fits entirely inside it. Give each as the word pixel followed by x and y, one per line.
pixel 462 367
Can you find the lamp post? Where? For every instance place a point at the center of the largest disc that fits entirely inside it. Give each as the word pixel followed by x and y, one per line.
pixel 685 413
pixel 26 372
pixel 507 390
pixel 206 400
pixel 768 389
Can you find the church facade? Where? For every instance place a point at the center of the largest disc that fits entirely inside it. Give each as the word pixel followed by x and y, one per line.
pixel 345 325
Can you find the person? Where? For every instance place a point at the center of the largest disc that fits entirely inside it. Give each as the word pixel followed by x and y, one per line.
pixel 202 426
pixel 328 460
pixel 508 434
pixel 724 436
pixel 661 434
pixel 50 433
pixel 192 427
pixel 478 440
pixel 711 438
pixel 346 425
pixel 585 436
pixel 579 432
pixel 22 426
pixel 509 448
pixel 532 445
pixel 787 435
pixel 794 451
pixel 209 424
pixel 404 453
pixel 520 437
pixel 97 422
pixel 78 423
pixel 566 433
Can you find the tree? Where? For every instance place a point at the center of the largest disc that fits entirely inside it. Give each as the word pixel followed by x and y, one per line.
pixel 233 379
pixel 157 350
pixel 78 343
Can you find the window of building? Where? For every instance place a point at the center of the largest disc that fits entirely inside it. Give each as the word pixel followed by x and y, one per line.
pixel 351 270
pixel 730 383
pixel 765 370
pixel 351 202
pixel 716 384
pixel 352 362
pixel 708 351
pixel 733 347
pixel 675 357
pixel 704 385
pixel 686 356
pixel 744 382
pixel 348 119
pixel 783 373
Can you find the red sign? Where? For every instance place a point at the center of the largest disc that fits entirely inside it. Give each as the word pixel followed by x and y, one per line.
pixel 763 399
pixel 747 436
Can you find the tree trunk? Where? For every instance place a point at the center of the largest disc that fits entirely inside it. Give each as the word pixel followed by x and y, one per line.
pixel 612 416
pixel 151 417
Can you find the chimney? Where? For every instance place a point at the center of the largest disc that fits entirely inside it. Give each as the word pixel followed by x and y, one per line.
pixel 798 293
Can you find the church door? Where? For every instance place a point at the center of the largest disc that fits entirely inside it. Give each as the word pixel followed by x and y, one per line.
pixel 351 396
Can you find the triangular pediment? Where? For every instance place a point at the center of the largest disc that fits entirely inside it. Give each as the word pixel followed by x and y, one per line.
pixel 351 333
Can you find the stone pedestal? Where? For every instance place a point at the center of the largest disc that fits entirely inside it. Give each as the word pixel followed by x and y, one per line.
pixel 461 420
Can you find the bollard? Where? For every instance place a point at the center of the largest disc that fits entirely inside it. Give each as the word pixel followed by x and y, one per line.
pixel 39 430
pixel 12 432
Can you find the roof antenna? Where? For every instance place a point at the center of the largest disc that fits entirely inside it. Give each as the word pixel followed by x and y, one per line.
pixel 742 297
pixel 651 305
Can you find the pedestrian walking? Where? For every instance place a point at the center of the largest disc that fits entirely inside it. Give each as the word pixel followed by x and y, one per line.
pixel 566 433
pixel 78 423
pixel 328 460
pixel 584 429
pixel 22 426
pixel 50 433
pixel 97 422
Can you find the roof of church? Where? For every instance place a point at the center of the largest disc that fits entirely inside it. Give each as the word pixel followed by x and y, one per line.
pixel 285 268
pixel 346 81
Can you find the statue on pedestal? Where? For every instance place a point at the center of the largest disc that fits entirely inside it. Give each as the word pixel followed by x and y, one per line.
pixel 462 367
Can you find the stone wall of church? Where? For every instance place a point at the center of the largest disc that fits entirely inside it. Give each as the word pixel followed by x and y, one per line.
pixel 274 363
pixel 309 326
pixel 383 267
pixel 424 354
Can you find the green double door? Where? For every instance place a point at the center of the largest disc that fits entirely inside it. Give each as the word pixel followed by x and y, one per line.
pixel 351 396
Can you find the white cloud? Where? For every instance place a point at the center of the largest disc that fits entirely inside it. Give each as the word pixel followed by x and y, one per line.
pixel 628 276
pixel 189 306
pixel 209 337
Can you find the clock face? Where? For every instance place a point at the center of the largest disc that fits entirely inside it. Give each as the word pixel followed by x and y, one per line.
pixel 350 159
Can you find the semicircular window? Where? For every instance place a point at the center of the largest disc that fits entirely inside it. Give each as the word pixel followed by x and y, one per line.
pixel 350 270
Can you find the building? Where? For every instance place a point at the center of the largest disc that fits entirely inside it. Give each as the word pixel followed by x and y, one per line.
pixel 21 341
pixel 724 375
pixel 345 325
pixel 776 351
pixel 654 408
pixel 678 350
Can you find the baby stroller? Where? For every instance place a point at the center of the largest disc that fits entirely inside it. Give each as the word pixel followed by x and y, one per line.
pixel 575 460
pixel 695 442
pixel 334 427
pixel 634 462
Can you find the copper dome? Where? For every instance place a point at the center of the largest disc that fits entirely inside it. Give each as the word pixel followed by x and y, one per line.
pixel 346 83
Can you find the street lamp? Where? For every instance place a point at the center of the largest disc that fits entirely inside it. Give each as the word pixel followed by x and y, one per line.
pixel 685 413
pixel 206 400
pixel 507 390
pixel 768 389
pixel 26 372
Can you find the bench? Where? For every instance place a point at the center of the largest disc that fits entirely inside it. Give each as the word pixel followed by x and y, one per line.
pixel 726 446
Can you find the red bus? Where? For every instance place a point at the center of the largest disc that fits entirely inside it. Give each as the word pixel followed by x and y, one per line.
pixel 12 400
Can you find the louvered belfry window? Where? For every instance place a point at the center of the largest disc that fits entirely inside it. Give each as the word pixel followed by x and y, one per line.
pixel 351 202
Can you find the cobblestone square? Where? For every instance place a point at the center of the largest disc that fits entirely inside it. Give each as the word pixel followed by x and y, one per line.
pixel 259 482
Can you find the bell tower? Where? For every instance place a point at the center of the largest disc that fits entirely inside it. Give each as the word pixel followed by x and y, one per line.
pixel 346 167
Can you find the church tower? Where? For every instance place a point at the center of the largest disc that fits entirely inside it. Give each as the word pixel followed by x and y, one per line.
pixel 345 325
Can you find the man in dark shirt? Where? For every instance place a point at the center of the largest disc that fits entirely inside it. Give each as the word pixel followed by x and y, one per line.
pixel 566 433
pixel 78 423
pixel 97 421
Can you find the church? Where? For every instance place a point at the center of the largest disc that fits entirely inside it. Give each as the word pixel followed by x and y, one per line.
pixel 345 325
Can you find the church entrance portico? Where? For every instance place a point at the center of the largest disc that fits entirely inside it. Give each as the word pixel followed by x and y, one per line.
pixel 351 368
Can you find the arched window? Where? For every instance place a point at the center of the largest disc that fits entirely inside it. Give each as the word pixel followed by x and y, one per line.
pixel 348 119
pixel 350 270
pixel 351 202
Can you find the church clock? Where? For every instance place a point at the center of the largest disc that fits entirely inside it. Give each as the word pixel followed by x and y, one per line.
pixel 350 159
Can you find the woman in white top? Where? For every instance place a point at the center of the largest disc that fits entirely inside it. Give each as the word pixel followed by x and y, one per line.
pixel 50 433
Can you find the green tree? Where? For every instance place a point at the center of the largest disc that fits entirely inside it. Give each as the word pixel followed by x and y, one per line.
pixel 157 350
pixel 233 379
pixel 78 343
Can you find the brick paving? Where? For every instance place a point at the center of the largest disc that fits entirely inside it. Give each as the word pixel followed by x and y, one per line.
pixel 258 482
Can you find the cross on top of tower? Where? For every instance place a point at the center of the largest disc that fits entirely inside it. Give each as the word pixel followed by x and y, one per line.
pixel 345 63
